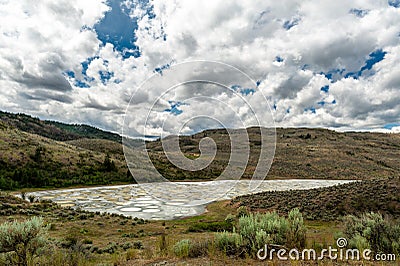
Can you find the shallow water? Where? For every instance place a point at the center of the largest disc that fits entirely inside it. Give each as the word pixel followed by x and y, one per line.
pixel 184 198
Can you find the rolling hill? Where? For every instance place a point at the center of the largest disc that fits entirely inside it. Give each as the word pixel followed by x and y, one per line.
pixel 36 153
pixel 55 130
pixel 31 160
pixel 300 153
pixel 329 203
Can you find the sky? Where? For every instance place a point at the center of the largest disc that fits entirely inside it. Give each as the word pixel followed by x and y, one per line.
pixel 331 64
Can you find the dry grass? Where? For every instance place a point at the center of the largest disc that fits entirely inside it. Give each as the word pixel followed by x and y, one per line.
pixel 300 153
pixel 100 230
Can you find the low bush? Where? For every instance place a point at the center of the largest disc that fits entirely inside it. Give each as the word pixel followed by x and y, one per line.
pixel 192 249
pixel 230 243
pixel 256 230
pixel 181 248
pixel 242 211
pixel 138 245
pixel 372 231
pixel 230 218
pixel 211 227
pixel 199 248
pixel 21 241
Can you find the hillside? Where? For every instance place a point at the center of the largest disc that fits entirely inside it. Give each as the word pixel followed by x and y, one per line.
pixel 30 160
pixel 37 153
pixel 300 153
pixel 55 130
pixel 330 203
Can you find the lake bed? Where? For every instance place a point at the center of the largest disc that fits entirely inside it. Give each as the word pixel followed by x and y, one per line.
pixel 135 201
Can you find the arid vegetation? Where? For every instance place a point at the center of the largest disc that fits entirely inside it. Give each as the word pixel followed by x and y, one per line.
pixel 52 154
pixel 300 153
pixel 55 130
pixel 29 160
pixel 73 237
pixel 42 154
pixel 331 203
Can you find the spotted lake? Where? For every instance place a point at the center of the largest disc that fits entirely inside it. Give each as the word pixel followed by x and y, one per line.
pixel 141 200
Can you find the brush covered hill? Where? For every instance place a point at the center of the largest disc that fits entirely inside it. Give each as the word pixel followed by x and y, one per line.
pixel 329 203
pixel 300 153
pixel 36 153
pixel 55 130
pixel 31 160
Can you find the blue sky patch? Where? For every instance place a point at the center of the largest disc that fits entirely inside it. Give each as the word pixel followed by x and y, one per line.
pixel 334 74
pixel 312 109
pixel 160 69
pixel 77 82
pixel 358 12
pixel 243 91
pixel 305 67
pixel 374 57
pixel 247 91
pixel 174 109
pixel 278 59
pixel 391 125
pixel 325 88
pixel 288 24
pixel 81 84
pixel 394 3
pixel 70 73
pixel 105 76
pixel 85 64
pixel 118 28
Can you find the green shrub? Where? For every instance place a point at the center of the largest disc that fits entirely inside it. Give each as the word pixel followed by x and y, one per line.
pixel 256 230
pixel 198 248
pixel 111 248
pixel 23 240
pixel 126 246
pixel 181 248
pixel 87 241
pixel 242 211
pixel 192 249
pixel 372 231
pixel 138 245
pixel 230 218
pixel 211 227
pixel 296 234
pixel 230 243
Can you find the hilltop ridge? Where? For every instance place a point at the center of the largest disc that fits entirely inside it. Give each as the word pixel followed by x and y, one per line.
pixel 38 153
pixel 55 130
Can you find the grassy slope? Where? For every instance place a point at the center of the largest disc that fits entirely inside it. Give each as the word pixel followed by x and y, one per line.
pixel 98 231
pixel 332 202
pixel 322 154
pixel 300 153
pixel 55 130
pixel 99 145
pixel 58 163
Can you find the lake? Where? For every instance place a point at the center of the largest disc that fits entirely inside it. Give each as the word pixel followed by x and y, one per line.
pixel 185 198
